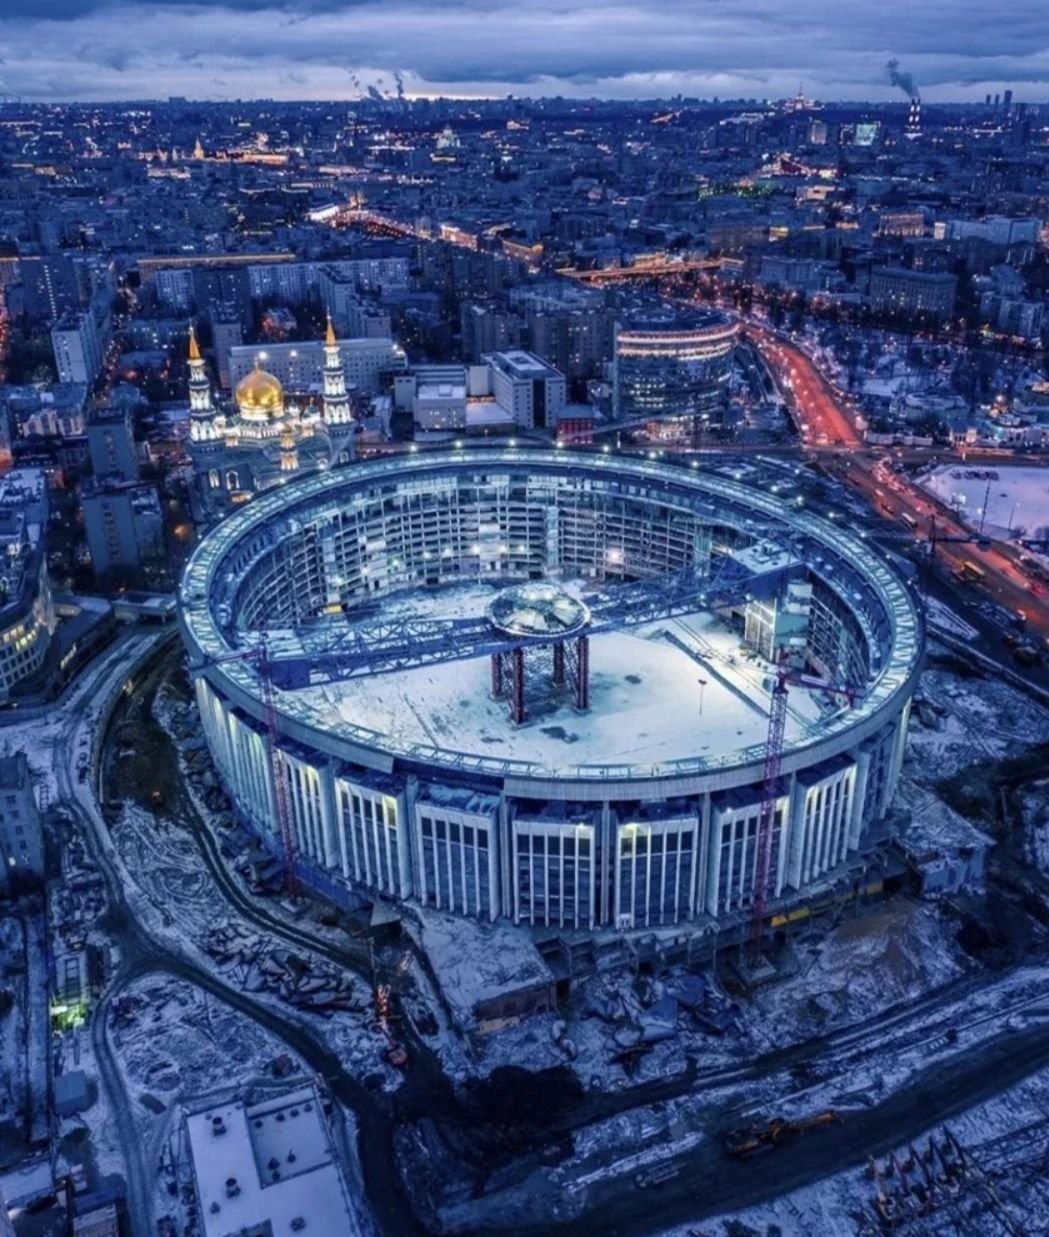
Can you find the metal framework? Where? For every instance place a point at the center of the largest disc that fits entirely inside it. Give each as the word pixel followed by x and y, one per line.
pixel 771 788
pixel 565 664
pixel 334 649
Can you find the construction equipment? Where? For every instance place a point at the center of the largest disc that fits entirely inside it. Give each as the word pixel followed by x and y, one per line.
pixel 259 657
pixel 752 1139
pixel 395 1054
pixel 770 786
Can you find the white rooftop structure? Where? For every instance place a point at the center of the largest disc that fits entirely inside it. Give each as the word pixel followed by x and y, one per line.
pixel 271 1163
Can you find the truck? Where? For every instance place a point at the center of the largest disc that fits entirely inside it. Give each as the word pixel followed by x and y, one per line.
pixel 752 1139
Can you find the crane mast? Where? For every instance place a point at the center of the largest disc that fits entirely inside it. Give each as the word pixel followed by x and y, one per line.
pixel 770 789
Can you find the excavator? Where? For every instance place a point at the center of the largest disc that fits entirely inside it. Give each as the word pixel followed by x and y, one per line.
pixel 752 1139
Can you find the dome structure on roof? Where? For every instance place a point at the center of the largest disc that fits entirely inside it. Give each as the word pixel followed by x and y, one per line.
pixel 537 609
pixel 259 396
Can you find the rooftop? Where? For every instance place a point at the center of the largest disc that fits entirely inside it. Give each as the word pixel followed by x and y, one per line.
pixel 661 692
pixel 881 603
pixel 272 1161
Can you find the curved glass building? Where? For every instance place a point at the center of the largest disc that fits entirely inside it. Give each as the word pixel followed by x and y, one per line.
pixel 673 365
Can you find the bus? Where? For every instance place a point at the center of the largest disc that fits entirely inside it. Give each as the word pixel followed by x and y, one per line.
pixel 969 573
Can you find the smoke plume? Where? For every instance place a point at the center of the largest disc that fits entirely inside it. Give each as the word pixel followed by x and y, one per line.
pixel 900 77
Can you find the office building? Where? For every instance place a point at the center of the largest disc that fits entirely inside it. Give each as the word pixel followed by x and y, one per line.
pixel 896 289
pixel 21 831
pixel 124 524
pixel 529 389
pixel 111 444
pixel 27 612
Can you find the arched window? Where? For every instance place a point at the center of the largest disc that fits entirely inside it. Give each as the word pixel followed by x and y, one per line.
pixel 232 480
pixel 213 479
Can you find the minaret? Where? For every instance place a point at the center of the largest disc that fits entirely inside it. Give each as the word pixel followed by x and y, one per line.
pixel 336 401
pixel 289 453
pixel 201 413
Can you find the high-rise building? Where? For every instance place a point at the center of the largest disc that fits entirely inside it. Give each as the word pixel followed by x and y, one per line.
pixel 226 333
pixel 79 341
pixel 488 328
pixel 27 612
pixel 49 285
pixel 174 287
pixel 111 444
pixel 530 390
pixel 21 834
pixel 124 524
pixel 671 365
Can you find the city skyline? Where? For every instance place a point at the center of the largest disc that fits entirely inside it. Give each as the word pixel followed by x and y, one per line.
pixel 96 50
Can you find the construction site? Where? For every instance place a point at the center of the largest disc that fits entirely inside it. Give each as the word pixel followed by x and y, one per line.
pixel 579 692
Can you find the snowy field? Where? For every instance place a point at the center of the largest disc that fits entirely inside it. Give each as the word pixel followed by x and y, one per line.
pixel 958 722
pixel 648 704
pixel 1017 499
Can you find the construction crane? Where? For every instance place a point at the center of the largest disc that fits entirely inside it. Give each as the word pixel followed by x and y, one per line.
pixel 770 785
pixel 259 657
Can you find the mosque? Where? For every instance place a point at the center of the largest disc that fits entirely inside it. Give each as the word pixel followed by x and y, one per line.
pixel 264 438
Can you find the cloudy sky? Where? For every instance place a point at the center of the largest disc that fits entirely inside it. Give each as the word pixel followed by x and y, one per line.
pixel 320 49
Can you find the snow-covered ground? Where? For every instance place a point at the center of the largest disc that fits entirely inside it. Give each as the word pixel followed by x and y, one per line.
pixel 1006 1136
pixel 1016 498
pixel 968 721
pixel 888 954
pixel 175 894
pixel 643 685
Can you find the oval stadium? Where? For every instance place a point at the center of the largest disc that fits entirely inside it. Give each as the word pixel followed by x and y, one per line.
pixel 536 684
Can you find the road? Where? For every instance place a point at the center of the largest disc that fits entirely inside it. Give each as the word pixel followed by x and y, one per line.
pixel 828 429
pixel 712 1183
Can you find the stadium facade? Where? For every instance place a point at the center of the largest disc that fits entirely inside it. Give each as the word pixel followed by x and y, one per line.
pixel 519 753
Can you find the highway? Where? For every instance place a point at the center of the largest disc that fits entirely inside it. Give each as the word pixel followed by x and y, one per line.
pixel 828 429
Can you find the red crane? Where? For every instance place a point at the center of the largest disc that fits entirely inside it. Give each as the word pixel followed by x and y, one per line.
pixel 770 787
pixel 259 657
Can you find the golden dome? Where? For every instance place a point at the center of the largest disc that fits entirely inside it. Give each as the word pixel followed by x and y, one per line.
pixel 259 395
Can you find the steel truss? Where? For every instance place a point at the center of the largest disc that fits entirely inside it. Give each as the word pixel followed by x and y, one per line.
pixel 563 664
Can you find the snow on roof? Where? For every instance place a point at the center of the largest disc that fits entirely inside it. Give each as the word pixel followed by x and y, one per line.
pixel 650 701
pixel 273 1161
pixel 476 962
pixel 935 827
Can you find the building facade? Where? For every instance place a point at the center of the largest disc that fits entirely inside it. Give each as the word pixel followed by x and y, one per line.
pixel 21 831
pixel 27 612
pixel 673 367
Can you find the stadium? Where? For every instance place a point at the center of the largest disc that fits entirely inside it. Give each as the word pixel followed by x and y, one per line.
pixel 536 684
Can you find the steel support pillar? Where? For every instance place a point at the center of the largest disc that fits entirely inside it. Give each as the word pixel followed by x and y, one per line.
pixel 498 687
pixel 582 686
pixel 559 665
pixel 517 686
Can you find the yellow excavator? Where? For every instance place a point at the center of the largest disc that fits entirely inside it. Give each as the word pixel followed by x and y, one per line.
pixel 754 1138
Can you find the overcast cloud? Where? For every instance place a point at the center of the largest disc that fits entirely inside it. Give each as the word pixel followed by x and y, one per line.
pixel 320 49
